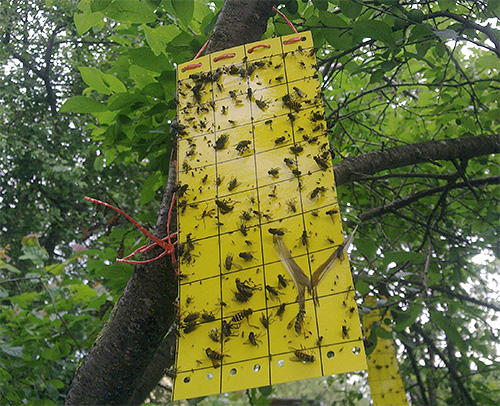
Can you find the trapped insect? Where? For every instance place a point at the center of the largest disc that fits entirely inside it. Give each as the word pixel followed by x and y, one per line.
pixel 243 146
pixel 224 205
pixel 215 356
pixel 302 355
pixel 291 205
pixel 220 143
pixel 317 191
pixel 273 172
pixel 241 315
pixel 276 231
pixel 232 184
pixel 261 104
pixel 279 140
pixel 282 282
pixel 228 263
pixel 281 310
pixel 247 256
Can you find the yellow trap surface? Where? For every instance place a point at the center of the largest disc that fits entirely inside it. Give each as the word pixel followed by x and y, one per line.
pixel 255 175
pixel 384 378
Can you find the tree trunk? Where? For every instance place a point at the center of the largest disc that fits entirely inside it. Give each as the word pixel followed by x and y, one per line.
pixel 114 372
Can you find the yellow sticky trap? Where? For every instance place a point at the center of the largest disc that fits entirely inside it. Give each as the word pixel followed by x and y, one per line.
pixel 385 381
pixel 253 159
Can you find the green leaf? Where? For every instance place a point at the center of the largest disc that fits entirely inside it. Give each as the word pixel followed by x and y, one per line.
pixel 99 5
pixel 149 189
pixel 362 287
pixel 93 78
pixel 292 6
pixel 23 298
pixel 184 10
pixel 449 328
pixel 408 317
pixel 82 104
pixel 320 5
pixel 133 11
pixel 350 8
pixel 374 29
pixel 86 20
pixel 5 265
pixel 159 37
pixel 12 351
pixel 114 84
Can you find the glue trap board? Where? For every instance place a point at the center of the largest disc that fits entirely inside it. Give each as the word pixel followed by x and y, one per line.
pixel 385 381
pixel 254 168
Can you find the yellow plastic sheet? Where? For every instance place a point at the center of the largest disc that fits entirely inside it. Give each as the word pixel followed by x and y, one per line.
pixel 385 381
pixel 253 159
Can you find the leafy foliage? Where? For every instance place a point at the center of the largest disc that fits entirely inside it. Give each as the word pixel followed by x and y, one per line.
pixel 394 73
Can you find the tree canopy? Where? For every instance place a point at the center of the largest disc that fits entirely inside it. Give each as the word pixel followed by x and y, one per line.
pixel 411 95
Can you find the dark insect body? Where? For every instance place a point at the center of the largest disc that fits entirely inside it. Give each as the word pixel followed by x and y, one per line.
pixel 273 171
pixel 244 288
pixel 282 282
pixel 317 191
pixel 253 339
pixel 189 327
pixel 227 329
pixel 207 316
pixel 279 140
pixel 246 215
pixel 304 239
pixel 224 206
pixel 264 321
pixel 191 317
pixel 322 163
pixel 291 103
pixel 298 321
pixel 214 356
pixel 302 355
pixel 289 162
pixel 281 310
pixel 228 263
pixel 232 184
pixel 214 335
pixel 291 205
pixel 299 92
pixel 242 297
pixel 247 256
pixel 246 313
pixel 276 231
pixel 273 292
pixel 220 143
pixel 296 149
pixel 261 104
pixel 243 146
pixel 243 229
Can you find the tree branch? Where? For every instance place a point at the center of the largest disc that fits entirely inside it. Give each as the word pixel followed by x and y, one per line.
pixel 352 168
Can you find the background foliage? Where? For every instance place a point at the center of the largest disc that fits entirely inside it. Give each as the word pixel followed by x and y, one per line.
pixel 87 100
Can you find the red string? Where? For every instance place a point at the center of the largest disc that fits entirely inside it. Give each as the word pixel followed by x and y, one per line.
pixel 258 46
pixel 286 19
pixel 167 246
pixel 202 49
pixel 224 56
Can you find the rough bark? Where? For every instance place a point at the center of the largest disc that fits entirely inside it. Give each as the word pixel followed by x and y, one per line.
pixel 127 356
pixel 240 22
pixel 354 168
